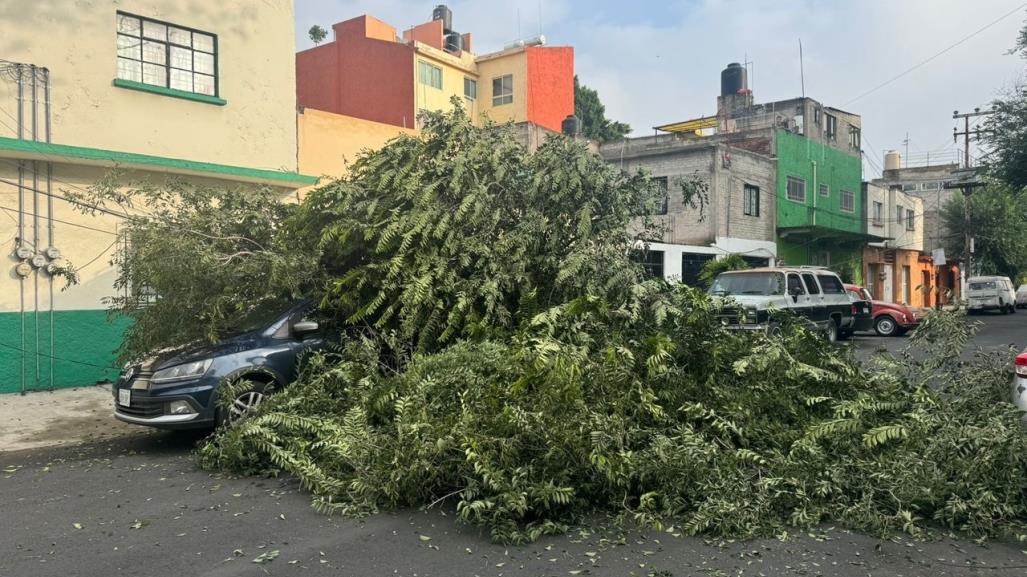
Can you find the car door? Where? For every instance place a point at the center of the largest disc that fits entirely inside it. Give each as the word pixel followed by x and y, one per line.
pixel 836 301
pixel 817 310
pixel 799 301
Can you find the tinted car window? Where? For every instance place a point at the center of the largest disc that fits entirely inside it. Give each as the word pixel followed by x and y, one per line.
pixel 831 284
pixel 748 283
pixel 811 284
pixel 795 285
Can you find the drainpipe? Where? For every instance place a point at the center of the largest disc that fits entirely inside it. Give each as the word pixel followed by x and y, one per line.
pixel 816 192
pixel 35 221
pixel 49 206
pixel 21 217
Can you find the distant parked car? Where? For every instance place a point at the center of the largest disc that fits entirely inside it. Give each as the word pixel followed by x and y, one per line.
pixel 1021 297
pixel 990 293
pixel 889 319
pixel 180 391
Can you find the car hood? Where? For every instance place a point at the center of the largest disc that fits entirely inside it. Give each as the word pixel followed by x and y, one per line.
pixel 757 301
pixel 201 351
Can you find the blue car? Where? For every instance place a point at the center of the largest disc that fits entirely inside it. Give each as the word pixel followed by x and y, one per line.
pixel 180 390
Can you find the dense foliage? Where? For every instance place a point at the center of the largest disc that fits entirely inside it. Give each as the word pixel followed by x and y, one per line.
pixel 513 363
pixel 591 112
pixel 211 255
pixel 649 410
pixel 461 233
pixel 999 227
pixel 711 269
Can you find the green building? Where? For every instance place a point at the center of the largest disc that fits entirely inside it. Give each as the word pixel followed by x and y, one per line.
pixel 820 205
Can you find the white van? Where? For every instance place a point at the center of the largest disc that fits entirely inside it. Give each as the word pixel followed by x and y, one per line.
pixel 990 293
pixel 1021 297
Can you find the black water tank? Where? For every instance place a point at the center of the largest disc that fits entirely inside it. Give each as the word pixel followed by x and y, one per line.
pixel 732 79
pixel 570 126
pixel 454 42
pixel 442 12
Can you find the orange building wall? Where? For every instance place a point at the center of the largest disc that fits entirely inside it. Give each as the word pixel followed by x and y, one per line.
pixel 550 85
pixel 429 33
pixel 364 73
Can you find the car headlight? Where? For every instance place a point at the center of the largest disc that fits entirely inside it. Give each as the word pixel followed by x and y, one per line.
pixel 183 371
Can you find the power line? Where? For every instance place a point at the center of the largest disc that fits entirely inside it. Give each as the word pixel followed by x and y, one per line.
pixel 64 198
pixel 938 54
pixel 9 209
pixel 44 355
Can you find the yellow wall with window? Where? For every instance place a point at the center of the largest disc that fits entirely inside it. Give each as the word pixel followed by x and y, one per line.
pixel 454 70
pixel 491 67
pixel 78 42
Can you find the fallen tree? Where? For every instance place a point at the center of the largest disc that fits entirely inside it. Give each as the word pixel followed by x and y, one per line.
pixel 505 354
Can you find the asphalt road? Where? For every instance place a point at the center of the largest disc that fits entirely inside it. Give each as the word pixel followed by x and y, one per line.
pixel 995 332
pixel 137 505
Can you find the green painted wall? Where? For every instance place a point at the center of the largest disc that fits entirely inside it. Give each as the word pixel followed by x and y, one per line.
pixel 845 260
pixel 796 156
pixel 84 348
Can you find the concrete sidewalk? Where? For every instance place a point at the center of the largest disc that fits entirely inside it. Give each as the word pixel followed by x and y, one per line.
pixel 61 417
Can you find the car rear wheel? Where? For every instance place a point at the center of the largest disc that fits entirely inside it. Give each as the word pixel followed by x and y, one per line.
pixel 831 334
pixel 886 326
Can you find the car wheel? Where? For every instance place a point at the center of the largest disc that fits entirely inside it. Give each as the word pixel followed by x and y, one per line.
pixel 844 335
pixel 831 333
pixel 886 326
pixel 247 395
pixel 1012 309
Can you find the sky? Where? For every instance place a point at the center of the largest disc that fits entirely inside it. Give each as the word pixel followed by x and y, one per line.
pixel 656 62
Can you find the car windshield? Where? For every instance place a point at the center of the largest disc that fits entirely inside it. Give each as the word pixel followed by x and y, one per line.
pixel 259 316
pixel 980 286
pixel 749 283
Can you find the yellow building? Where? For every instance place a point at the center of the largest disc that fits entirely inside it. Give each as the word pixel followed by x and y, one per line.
pixel 156 88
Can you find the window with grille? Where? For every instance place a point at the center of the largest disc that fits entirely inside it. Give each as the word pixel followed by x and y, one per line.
pixel 899 214
pixel 831 131
pixel 167 55
pixel 751 200
pixel 429 75
pixel 662 193
pixel 651 261
pixel 848 201
pixel 878 213
pixel 910 220
pixel 502 90
pixel 470 89
pixel 825 190
pixel 796 189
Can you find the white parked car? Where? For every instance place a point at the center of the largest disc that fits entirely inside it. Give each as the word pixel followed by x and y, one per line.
pixel 1021 297
pixel 990 293
pixel 813 293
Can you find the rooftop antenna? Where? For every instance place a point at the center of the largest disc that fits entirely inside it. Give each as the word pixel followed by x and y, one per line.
pixel 905 159
pixel 802 70
pixel 518 22
pixel 750 67
pixel 540 17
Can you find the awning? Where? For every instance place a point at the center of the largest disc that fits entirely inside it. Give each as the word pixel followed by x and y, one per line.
pixel 825 233
pixel 694 125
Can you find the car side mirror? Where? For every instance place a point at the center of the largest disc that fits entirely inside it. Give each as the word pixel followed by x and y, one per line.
pixel 304 328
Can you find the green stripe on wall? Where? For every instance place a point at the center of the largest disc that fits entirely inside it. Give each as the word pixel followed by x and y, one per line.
pixel 84 349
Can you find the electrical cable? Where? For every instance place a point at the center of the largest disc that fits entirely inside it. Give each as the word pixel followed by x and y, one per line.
pixel 938 54
pixel 75 224
pixel 66 360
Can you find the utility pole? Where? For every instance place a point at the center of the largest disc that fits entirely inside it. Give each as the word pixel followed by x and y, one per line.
pixel 967 184
pixel 967 133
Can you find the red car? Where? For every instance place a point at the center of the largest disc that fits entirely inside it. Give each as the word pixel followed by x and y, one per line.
pixel 889 318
